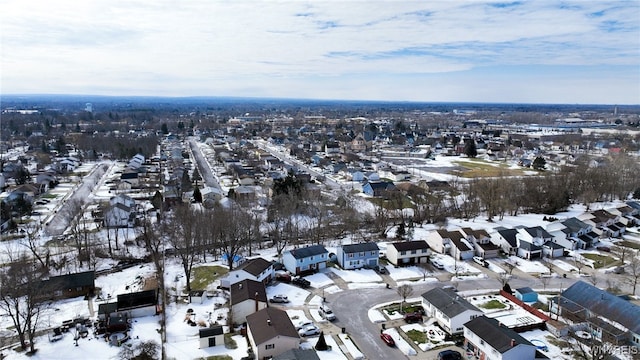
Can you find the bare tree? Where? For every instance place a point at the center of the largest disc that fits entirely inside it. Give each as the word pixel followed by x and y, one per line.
pixel 548 263
pixel 404 291
pixel 621 252
pixel 32 230
pixel 510 266
pixel 634 271
pixel 184 237
pixel 22 291
pixel 424 270
pixel 578 264
pixel 594 278
pixel 544 280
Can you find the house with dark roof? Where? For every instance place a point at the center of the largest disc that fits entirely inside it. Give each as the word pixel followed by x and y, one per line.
pixel 298 354
pixel 138 304
pixel 270 333
pixel 608 317
pixel 212 336
pixel 257 269
pixel 356 256
pixel 449 309
pixel 481 242
pixel 72 285
pixel 247 297
pixel 407 253
pixel 307 259
pixel 485 338
pixel 379 188
pixel 567 233
pixel 506 240
pixel 451 242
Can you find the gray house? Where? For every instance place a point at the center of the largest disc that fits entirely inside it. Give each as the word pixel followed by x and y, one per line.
pixel 355 256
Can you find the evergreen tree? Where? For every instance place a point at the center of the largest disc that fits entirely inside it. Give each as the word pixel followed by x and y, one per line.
pixel 470 148
pixel 539 163
pixel 164 129
pixel 197 195
pixel 321 345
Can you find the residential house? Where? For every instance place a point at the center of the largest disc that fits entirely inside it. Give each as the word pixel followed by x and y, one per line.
pixel 257 269
pixel 298 354
pixel 129 177
pixel 530 241
pixel 306 259
pixel 451 242
pixel 355 256
pixel 570 233
pixel 481 242
pixel 72 285
pixel 118 215
pixel 448 309
pixel 270 333
pixel 485 338
pixel 247 297
pixel 634 216
pixel 506 240
pixel 211 336
pixel 602 221
pixel 378 188
pixel 138 304
pixel 332 148
pixel 406 253
pixel 608 317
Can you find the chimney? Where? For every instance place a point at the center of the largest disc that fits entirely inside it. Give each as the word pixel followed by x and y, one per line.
pixel 513 342
pixel 240 285
pixel 257 307
pixel 269 322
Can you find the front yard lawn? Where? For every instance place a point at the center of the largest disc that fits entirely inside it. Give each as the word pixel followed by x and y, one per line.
pixel 600 261
pixel 203 276
pixel 417 336
pixel 629 244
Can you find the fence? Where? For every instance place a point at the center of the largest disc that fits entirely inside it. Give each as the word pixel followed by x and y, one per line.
pixel 527 307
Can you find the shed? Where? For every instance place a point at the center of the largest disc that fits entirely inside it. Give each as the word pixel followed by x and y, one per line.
pixel 196 296
pixel 211 336
pixel 526 294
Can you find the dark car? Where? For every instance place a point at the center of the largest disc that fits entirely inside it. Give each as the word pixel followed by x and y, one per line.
pixel 604 248
pixel 302 282
pixel 380 269
pixel 413 317
pixel 449 355
pixel 387 339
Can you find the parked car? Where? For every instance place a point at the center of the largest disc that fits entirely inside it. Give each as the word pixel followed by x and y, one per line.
pixel 303 323
pixel 302 282
pixel 283 276
pixel 604 248
pixel 279 299
pixel 387 339
pixel 380 269
pixel 437 264
pixel 309 330
pixel 326 312
pixel 413 317
pixel 481 261
pixel 449 355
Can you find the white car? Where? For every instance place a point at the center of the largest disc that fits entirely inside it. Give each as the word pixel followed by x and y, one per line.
pixel 303 323
pixel 326 312
pixel 279 299
pixel 481 261
pixel 309 330
pixel 437 264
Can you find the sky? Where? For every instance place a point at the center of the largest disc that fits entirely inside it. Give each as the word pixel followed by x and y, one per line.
pixel 582 52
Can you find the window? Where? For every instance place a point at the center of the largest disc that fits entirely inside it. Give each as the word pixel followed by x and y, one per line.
pixel 481 342
pixel 374 253
pixel 362 254
pixel 351 255
pixel 270 346
pixel 403 253
pixel 312 258
pixel 413 251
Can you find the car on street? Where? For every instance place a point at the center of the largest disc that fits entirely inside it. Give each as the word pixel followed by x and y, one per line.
pixel 279 299
pixel 387 339
pixel 326 313
pixel 449 355
pixel 309 330
pixel 481 261
pixel 413 317
pixel 603 248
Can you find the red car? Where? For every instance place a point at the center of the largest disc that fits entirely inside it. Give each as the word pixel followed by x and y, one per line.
pixel 387 339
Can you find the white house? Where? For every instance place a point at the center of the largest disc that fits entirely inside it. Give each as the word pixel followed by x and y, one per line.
pixel 406 253
pixel 449 310
pixel 138 304
pixel 270 333
pixel 247 297
pixel 118 215
pixel 486 339
pixel 257 269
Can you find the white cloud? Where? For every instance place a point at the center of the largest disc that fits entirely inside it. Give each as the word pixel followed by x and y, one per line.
pixel 215 47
